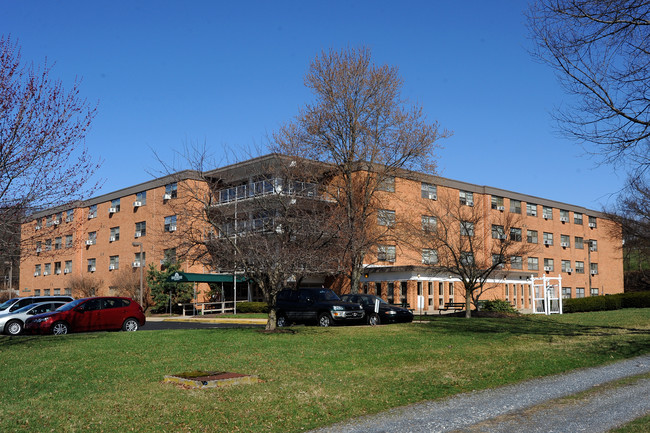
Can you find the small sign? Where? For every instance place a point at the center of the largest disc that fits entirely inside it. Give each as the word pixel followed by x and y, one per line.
pixel 176 277
pixel 420 302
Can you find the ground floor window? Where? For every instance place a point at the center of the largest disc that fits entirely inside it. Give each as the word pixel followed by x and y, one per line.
pixel 580 292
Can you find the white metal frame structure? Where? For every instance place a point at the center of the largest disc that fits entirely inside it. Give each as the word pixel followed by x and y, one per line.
pixel 547 295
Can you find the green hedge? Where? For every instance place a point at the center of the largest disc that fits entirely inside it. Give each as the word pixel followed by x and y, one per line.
pixel 498 305
pixel 607 302
pixel 252 307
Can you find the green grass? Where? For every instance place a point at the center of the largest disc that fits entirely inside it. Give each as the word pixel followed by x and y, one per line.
pixel 112 382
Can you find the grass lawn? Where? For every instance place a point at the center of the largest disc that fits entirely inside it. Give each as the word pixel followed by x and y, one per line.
pixel 112 381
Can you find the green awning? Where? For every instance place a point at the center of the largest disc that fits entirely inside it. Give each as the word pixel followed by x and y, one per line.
pixel 188 277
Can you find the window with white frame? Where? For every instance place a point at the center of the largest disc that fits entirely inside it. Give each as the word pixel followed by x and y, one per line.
pixel 386 253
pixel 170 223
pixel 37 270
pixel 592 222
pixel 594 292
pixel 498 260
pixel 140 199
pixel 67 291
pixel 577 218
pixel 531 209
pixel 497 203
pixel 531 236
pixel 386 217
pixel 92 238
pixel 466 258
pixel 69 215
pixel 549 265
pixel 516 262
pixel 566 266
pixel 429 256
pixel 92 265
pixel 92 211
pixel 429 191
pixel 593 268
pixel 429 223
pixel 57 268
pixel 515 234
pixel 547 212
pixel 564 216
pixel 39 224
pixel 533 264
pixel 140 229
pixel 466 228
pixel 580 292
pixel 48 244
pixel 466 198
pixel 387 184
pixel 68 267
pixel 565 241
pixel 515 206
pixel 114 263
pixel 593 245
pixel 171 190
pixel 578 242
pixel 114 235
pixel 140 259
pixel 58 243
pixel 498 232
pixel 548 238
pixel 115 205
pixel 566 292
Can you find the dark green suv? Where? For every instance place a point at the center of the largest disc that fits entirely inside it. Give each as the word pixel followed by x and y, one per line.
pixel 312 305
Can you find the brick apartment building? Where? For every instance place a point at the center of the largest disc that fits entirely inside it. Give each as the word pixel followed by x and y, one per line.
pixel 102 237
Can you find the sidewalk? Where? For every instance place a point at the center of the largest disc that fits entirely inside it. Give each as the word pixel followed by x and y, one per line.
pixel 207 319
pixel 532 406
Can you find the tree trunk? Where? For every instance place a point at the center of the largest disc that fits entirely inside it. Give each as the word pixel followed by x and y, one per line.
pixel 468 303
pixel 272 323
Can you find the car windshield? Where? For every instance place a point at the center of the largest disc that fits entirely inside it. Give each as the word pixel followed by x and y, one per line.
pixel 7 304
pixel 70 305
pixel 25 308
pixel 327 295
pixel 370 300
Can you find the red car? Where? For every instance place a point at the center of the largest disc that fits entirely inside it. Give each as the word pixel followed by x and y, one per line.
pixel 89 314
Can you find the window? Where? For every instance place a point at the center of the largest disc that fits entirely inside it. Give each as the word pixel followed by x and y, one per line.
pixel 593 245
pixel 580 292
pixel 566 266
pixel 92 211
pixel 593 268
pixel 531 236
pixel 429 191
pixel 580 267
pixel 68 267
pixel 140 261
pixel 115 206
pixel 466 198
pixel 57 292
pixel 531 209
pixel 68 241
pixel 47 292
pixel 549 265
pixel 515 234
pixel 387 184
pixel 385 218
pixel 429 256
pixel 498 260
pixel 533 264
pixel 91 265
pixel 547 213
pixel 47 270
pixel 92 238
pixel 69 214
pixel 39 223
pixel 37 270
pixel 577 218
pixel 48 221
pixel 386 253
pixel 594 292
pixel 140 229
pixel 466 259
pixel 39 246
pixel 466 228
pixel 566 292
pixel 171 191
pixel 516 262
pixel 497 202
pixel 578 242
pixel 37 292
pixel 58 243
pixel 115 234
pixel 564 216
pixel 57 268
pixel 170 223
pixel 429 223
pixel 114 263
pixel 548 238
pixel 592 222
pixel 498 232
pixel 169 256
pixel 48 244
pixel 565 241
pixel 515 206
pixel 140 199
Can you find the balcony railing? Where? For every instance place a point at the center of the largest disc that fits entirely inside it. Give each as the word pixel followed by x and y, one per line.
pixel 267 187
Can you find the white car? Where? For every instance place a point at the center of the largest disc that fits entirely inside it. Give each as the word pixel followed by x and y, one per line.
pixel 13 323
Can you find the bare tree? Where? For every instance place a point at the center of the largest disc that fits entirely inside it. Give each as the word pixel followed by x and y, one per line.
pixel 85 286
pixel 457 238
pixel 361 125
pixel 126 282
pixel 601 52
pixel 42 127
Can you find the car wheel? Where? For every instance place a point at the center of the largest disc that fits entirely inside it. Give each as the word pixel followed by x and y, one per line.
pixel 373 320
pixel 60 328
pixel 324 320
pixel 14 327
pixel 130 325
pixel 281 321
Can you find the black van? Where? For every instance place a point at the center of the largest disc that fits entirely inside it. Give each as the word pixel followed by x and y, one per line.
pixel 321 306
pixel 14 304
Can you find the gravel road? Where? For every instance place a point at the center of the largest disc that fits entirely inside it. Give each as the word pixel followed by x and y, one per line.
pixel 533 406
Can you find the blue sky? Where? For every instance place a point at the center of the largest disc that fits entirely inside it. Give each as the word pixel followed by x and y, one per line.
pixel 167 74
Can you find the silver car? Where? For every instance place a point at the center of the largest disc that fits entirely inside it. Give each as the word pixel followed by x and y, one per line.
pixel 13 323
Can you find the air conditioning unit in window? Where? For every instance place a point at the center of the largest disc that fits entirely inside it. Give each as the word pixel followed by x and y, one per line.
pixel 172 228
pixel 47 273
pixel 56 222
pixel 568 270
pixel 37 227
pixel 91 216
pixel 90 242
pixel 112 210
pixel 66 271
pixel 137 203
pixel 470 203
pixel 111 267
pixel 111 239
pixel 594 272
pixel 564 219
pixel 58 272
pixel 548 242
pixel 592 225
pixel 167 197
pixel 592 249
pixel 38 250
pixel 547 268
pixel 91 269
pixel 136 264
pixel 501 208
pixel 36 274
pixel 564 244
pixel 502 237
pixel 138 234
